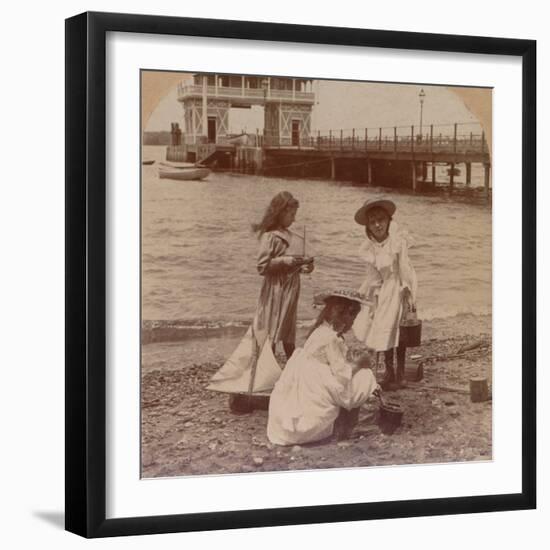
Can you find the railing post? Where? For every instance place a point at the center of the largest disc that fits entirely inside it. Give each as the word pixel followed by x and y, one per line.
pixel 431 139
pixel 353 139
pixel 412 139
pixel 318 139
pixel 330 139
pixel 380 139
pixel 395 140
pixel 341 139
pixel 454 140
pixel 366 140
pixel 483 141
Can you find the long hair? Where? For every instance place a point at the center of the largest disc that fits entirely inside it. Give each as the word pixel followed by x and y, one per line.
pixel 333 311
pixel 271 220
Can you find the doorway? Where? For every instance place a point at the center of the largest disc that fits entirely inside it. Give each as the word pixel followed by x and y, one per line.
pixel 296 133
pixel 211 129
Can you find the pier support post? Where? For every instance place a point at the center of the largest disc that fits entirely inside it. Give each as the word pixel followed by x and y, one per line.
pixel 452 178
pixel 413 164
pixel 369 172
pixel 487 177
pixel 424 171
pixel 468 173
pixel 433 175
pixel 332 168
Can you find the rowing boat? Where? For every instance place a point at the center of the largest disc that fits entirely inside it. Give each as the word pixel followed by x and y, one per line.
pixel 184 171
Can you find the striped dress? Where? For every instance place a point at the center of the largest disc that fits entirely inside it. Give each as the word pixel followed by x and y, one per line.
pixel 276 312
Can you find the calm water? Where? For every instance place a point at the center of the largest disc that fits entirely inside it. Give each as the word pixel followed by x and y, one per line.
pixel 199 254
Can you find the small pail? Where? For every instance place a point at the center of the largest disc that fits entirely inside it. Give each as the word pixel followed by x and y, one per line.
pixel 410 333
pixel 390 417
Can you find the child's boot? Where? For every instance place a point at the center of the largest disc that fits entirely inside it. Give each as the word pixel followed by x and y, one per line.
pixel 344 423
pixel 400 376
pixel 388 382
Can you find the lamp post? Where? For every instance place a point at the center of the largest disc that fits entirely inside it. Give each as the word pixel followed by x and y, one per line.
pixel 265 85
pixel 421 97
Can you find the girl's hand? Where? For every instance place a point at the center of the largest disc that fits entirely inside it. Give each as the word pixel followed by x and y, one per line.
pixel 307 268
pixel 364 361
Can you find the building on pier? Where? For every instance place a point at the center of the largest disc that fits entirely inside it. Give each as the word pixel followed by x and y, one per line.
pixel 208 99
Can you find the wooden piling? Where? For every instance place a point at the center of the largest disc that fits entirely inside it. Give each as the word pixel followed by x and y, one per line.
pixel 369 172
pixel 479 390
pixel 452 178
pixel 487 178
pixel 468 173
pixel 433 175
pixel 413 164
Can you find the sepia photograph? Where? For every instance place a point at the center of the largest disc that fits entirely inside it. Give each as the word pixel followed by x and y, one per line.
pixel 316 274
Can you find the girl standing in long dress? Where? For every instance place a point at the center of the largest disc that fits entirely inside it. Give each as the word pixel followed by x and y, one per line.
pixel 276 313
pixel 252 368
pixel 390 281
pixel 318 381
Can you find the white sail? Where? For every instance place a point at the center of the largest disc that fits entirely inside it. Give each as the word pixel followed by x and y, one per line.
pixel 248 361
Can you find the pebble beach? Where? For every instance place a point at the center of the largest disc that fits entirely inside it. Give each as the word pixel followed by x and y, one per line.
pixel 188 430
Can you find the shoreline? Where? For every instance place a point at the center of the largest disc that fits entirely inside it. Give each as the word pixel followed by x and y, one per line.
pixel 187 430
pixel 216 341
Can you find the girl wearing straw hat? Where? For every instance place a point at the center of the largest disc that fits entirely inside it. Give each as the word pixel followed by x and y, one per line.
pixel 390 282
pixel 318 382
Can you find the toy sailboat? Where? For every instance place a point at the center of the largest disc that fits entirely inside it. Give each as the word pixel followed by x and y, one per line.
pixel 251 368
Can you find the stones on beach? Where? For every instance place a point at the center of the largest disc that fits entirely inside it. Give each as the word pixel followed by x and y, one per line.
pixel 182 442
pixel 147 459
pixel 194 434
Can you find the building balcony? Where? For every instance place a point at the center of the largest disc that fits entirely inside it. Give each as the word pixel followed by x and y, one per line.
pixel 243 96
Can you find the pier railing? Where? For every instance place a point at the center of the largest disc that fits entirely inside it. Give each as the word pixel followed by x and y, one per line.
pixel 220 92
pixel 460 138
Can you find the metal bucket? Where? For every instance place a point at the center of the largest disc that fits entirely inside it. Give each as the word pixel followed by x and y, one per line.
pixel 390 416
pixel 410 333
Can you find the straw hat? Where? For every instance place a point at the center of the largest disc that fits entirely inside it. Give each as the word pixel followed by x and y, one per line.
pixel 353 295
pixel 386 204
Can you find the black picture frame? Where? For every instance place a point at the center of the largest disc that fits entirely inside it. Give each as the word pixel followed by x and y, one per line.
pixel 86 273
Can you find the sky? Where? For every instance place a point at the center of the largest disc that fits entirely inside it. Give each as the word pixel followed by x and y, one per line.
pixel 344 105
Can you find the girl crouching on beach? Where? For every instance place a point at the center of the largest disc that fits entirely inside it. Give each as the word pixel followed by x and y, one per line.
pixel 391 284
pixel 318 380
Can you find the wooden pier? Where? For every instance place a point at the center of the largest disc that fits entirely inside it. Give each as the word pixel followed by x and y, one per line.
pixel 381 156
pixel 398 156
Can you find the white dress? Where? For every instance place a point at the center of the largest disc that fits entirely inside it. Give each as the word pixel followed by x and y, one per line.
pixel 388 272
pixel 315 383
